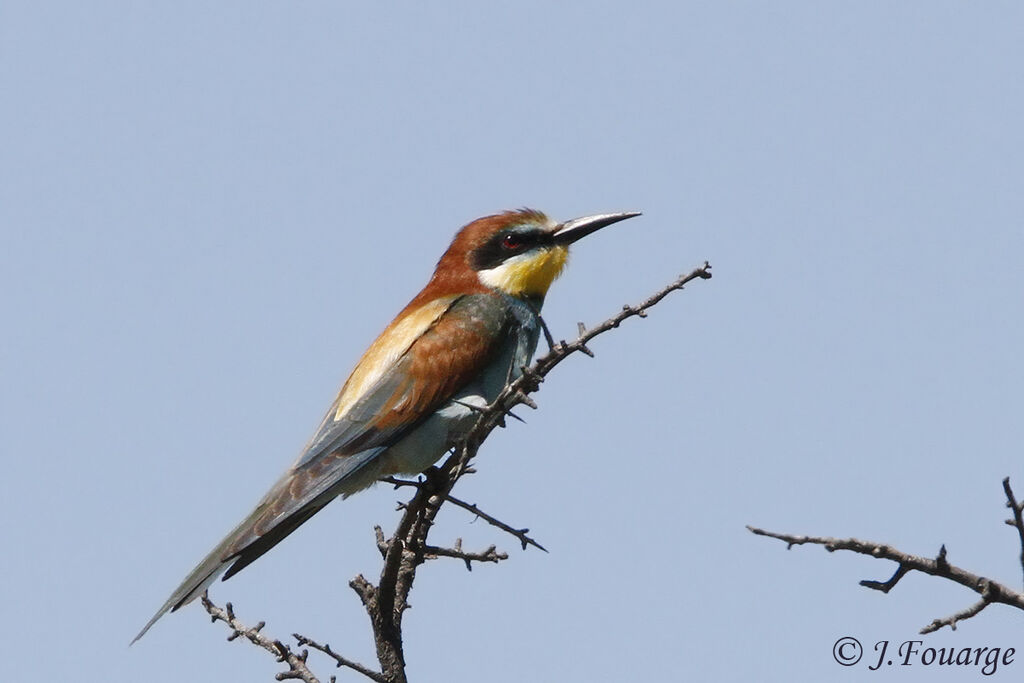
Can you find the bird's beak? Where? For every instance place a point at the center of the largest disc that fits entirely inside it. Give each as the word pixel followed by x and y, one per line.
pixel 570 231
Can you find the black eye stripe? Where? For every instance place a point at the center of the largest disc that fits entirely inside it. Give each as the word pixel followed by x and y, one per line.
pixel 506 244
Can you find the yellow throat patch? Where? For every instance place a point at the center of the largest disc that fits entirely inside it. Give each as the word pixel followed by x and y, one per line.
pixel 529 274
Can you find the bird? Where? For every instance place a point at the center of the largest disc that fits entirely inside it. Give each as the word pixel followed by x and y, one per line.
pixel 420 385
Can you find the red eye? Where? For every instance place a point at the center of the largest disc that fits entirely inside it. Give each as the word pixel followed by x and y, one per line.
pixel 512 241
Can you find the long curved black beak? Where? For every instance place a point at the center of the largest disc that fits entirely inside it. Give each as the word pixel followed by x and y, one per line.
pixel 570 231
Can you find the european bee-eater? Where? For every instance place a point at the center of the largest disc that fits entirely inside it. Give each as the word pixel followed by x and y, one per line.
pixel 417 389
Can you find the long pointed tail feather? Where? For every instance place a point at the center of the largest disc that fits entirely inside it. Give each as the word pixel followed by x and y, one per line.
pixel 200 578
pixel 296 497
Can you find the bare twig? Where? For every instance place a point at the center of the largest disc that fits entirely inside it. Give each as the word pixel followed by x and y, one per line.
pixel 524 540
pixel 340 661
pixel 491 554
pixel 297 668
pixel 1018 516
pixel 990 591
pixel 493 521
pixel 952 619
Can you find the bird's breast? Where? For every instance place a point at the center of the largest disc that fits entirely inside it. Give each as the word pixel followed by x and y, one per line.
pixel 428 442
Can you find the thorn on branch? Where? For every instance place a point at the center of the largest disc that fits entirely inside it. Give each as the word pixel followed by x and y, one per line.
pixel 940 560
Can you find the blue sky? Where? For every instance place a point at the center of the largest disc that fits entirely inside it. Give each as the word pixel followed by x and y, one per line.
pixel 208 210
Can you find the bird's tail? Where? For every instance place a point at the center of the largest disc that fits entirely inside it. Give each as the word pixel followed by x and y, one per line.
pixel 246 542
pixel 296 497
pixel 204 574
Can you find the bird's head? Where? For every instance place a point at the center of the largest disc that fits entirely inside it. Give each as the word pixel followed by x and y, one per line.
pixel 518 252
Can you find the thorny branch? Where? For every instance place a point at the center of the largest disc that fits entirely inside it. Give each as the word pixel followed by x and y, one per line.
pixel 990 591
pixel 493 521
pixel 297 668
pixel 475 509
pixel 339 661
pixel 407 548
